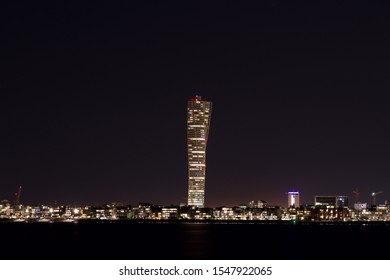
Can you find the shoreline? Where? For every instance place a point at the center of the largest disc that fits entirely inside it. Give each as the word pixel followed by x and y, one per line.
pixel 190 221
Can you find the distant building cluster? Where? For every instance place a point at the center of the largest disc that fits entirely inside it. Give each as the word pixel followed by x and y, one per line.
pixel 325 208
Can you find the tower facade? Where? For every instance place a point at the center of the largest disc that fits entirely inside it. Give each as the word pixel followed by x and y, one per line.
pixel 198 124
pixel 293 200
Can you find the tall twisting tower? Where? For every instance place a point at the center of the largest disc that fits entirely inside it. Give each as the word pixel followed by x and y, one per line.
pixel 198 124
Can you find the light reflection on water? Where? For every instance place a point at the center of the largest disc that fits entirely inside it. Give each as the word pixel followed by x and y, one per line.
pixel 196 240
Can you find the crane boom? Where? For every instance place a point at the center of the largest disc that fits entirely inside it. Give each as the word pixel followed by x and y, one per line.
pixel 357 193
pixel 374 194
pixel 17 195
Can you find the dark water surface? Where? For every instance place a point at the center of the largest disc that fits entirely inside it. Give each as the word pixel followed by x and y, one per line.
pixel 127 240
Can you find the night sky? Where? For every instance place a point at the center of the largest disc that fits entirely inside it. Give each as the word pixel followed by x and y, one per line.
pixel 94 95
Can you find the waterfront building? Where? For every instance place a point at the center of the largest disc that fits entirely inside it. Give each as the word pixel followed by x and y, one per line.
pixel 223 213
pixel 330 213
pixel 169 212
pixel 342 201
pixel 331 200
pixel 198 124
pixel 360 206
pixel 324 200
pixel 257 204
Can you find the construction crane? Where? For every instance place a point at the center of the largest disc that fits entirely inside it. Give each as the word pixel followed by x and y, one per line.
pixel 17 195
pixel 374 194
pixel 356 193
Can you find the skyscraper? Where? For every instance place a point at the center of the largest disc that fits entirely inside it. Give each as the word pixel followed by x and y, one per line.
pixel 198 123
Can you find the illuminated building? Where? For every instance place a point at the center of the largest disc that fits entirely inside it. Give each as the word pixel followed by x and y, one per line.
pixel 338 201
pixel 341 201
pixel 169 212
pixel 330 213
pixel 360 206
pixel 198 123
pixel 321 200
pixel 293 199
pixel 257 204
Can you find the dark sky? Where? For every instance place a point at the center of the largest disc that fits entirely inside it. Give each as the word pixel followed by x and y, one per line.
pixel 94 95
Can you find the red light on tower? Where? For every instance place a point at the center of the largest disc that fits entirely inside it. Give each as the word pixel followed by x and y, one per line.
pixel 196 98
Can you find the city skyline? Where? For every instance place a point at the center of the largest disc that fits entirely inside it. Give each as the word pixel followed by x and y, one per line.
pixel 93 100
